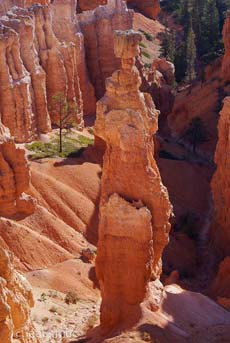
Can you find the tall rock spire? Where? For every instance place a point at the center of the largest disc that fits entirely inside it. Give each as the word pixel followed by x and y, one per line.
pixel 134 208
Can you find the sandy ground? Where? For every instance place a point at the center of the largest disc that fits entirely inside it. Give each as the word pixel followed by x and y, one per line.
pixel 54 319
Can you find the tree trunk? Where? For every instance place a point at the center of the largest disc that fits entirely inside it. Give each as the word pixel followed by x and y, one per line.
pixel 60 139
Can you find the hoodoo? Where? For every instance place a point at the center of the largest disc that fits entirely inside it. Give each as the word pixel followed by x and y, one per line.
pixel 14 178
pixel 134 208
pixel 221 184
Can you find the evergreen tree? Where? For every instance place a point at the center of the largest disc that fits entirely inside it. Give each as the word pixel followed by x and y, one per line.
pixel 168 45
pixel 196 133
pixel 190 55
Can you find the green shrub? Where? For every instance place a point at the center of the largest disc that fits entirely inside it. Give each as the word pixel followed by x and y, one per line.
pixel 146 54
pixel 147 35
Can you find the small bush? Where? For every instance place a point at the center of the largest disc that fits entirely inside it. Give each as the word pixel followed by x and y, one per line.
pixel 143 45
pixel 45 320
pixel 147 35
pixel 146 54
pixel 43 297
pixel 71 298
pixel 53 309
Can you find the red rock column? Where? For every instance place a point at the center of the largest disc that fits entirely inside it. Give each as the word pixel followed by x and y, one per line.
pixel 221 184
pixel 14 178
pixel 134 208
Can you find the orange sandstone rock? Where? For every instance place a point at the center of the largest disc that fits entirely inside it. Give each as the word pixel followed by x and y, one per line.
pixel 220 286
pixel 64 15
pixel 221 184
pixel 98 27
pixel 134 208
pixel 14 178
pixel 150 8
pixel 23 23
pixel 87 5
pixel 16 301
pixel 225 73
pixel 15 83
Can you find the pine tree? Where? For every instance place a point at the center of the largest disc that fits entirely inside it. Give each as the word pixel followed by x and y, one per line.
pixel 168 45
pixel 190 55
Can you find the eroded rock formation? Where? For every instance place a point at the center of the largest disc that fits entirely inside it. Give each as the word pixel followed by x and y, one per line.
pixel 36 66
pixel 64 15
pixel 16 301
pixel 134 208
pixel 88 5
pixel 220 286
pixel 97 27
pixel 225 71
pixel 14 178
pixel 150 8
pixel 221 184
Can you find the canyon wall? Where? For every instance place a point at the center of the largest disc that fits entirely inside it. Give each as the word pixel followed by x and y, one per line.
pixel 225 71
pixel 14 178
pixel 88 5
pixel 221 184
pixel 134 207
pixel 97 27
pixel 16 301
pixel 150 8
pixel 5 5
pixel 35 67
pixel 64 15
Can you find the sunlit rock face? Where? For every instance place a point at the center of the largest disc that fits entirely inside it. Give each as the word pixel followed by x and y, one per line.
pixel 36 66
pixel 134 208
pixel 221 184
pixel 98 27
pixel 16 300
pixel 14 178
pixel 64 15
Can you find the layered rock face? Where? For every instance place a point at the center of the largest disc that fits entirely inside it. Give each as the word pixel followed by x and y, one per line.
pixel 88 5
pixel 35 67
pixel 16 301
pixel 64 15
pixel 225 71
pixel 5 5
pixel 134 208
pixel 97 27
pixel 150 8
pixel 158 81
pixel 14 178
pixel 221 183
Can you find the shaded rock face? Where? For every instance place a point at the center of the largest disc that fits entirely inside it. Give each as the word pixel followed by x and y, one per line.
pixel 36 66
pixel 16 300
pixel 14 178
pixel 134 208
pixel 150 8
pixel 158 81
pixel 225 70
pixel 88 5
pixel 97 27
pixel 221 184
